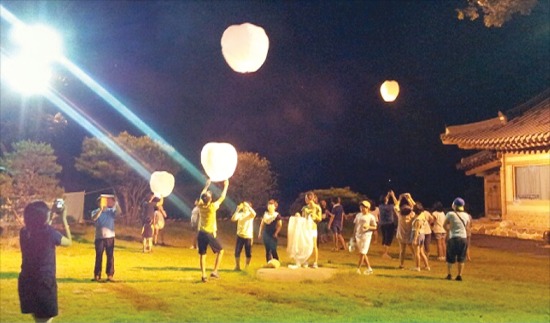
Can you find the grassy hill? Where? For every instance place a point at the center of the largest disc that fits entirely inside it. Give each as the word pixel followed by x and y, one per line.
pixel 165 286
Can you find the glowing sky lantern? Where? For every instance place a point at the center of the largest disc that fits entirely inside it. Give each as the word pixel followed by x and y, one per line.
pixel 162 183
pixel 245 47
pixel 389 91
pixel 219 160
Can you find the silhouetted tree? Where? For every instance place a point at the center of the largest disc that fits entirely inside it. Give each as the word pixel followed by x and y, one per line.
pixel 495 12
pixel 29 173
pixel 253 180
pixel 129 187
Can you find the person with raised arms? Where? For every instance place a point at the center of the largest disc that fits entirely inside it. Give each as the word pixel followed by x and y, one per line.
pixel 208 227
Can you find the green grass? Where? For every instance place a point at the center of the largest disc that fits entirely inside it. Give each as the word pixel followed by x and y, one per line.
pixel 165 286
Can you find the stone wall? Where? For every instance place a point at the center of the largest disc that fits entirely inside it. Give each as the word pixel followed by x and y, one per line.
pixel 507 228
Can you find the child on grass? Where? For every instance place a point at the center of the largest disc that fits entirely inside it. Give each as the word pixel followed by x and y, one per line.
pixel 365 225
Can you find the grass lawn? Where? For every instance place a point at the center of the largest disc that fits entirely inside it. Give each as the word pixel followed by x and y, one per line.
pixel 165 286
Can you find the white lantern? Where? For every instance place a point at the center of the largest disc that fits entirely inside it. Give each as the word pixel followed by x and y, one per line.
pixel 219 160
pixel 245 47
pixel 389 90
pixel 162 183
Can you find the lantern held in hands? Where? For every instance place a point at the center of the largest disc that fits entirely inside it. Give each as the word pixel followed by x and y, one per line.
pixel 219 160
pixel 245 47
pixel 389 91
pixel 162 183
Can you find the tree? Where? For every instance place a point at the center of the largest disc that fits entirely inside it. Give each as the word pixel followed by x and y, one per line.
pixel 253 180
pixel 350 199
pixel 495 12
pixel 29 173
pixel 129 187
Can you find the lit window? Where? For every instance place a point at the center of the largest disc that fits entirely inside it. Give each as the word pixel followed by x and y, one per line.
pixel 532 182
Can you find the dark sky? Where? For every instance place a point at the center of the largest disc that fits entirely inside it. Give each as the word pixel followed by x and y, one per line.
pixel 313 109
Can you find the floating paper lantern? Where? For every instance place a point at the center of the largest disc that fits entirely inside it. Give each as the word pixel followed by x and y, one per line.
pixel 389 90
pixel 162 183
pixel 219 160
pixel 245 47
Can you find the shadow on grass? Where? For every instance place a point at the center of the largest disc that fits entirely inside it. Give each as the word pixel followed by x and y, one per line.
pixel 168 268
pixel 410 277
pixel 9 275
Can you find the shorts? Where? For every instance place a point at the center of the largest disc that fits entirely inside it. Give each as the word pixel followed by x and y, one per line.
pixel 363 243
pixel 421 238
pixel 336 229
pixel 439 236
pixel 38 296
pixel 456 250
pixel 205 239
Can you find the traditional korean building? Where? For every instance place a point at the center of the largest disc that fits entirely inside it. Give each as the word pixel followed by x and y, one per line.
pixel 513 157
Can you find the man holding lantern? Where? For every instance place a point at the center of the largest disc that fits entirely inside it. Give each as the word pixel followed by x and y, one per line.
pixel 207 229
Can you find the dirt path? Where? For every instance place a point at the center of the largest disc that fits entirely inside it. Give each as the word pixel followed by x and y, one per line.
pixel 518 246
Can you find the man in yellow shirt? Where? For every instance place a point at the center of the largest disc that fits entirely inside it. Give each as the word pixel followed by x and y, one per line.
pixel 208 228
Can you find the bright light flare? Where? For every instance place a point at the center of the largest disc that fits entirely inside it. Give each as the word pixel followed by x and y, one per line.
pixel 38 42
pixel 27 67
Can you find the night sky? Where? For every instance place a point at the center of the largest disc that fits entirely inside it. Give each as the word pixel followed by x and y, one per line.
pixel 313 109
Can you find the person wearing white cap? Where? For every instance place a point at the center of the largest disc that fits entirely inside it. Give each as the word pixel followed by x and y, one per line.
pixel 457 224
pixel 365 225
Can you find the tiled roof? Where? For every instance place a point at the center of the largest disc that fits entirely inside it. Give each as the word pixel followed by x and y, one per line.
pixel 475 160
pixel 529 130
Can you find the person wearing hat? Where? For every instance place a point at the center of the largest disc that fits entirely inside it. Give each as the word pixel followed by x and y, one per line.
pixel 457 224
pixel 365 225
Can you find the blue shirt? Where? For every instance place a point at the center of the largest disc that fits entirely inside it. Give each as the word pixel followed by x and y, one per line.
pixel 105 224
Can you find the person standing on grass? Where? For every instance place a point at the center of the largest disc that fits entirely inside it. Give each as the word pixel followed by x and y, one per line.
pixel 322 232
pixel 37 285
pixel 336 223
pixel 365 225
pixel 208 228
pixel 387 221
pixel 404 225
pixel 419 223
pixel 159 220
pixel 439 230
pixel 244 216
pixel 104 218
pixel 269 230
pixel 148 209
pixel 456 224
pixel 312 212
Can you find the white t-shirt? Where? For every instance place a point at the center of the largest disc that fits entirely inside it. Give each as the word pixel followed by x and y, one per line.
pixel 359 221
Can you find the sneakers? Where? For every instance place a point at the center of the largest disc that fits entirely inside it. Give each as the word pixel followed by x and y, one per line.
pixel 449 277
pixel 204 279
pixel 358 271
pixel 214 275
pixel 459 278
pixel 305 265
pixel 415 269
pixel 293 266
pixel 314 266
pixel 111 279
pixel 368 272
